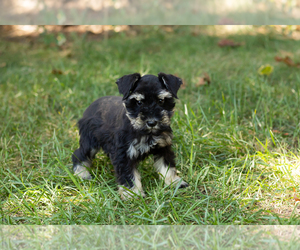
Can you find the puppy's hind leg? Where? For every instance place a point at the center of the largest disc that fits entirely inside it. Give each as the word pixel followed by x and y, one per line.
pixel 82 159
pixel 83 156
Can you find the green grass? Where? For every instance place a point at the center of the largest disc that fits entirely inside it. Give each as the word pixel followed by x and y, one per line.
pixel 236 140
pixel 154 237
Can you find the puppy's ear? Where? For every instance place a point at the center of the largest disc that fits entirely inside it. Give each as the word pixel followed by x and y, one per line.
pixel 127 83
pixel 170 82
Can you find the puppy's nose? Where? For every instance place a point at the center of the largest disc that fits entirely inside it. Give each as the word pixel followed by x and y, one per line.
pixel 151 123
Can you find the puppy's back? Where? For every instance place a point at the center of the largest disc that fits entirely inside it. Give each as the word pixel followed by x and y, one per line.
pixel 109 108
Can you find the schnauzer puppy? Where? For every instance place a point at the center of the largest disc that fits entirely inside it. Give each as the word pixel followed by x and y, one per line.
pixel 129 129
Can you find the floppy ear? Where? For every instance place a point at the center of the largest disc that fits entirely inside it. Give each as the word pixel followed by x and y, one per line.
pixel 171 83
pixel 127 83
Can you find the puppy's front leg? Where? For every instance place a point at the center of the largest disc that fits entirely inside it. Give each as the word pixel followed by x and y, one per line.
pixel 128 177
pixel 164 163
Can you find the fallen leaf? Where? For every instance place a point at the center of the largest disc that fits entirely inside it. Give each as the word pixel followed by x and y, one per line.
pixel 228 43
pixel 295 195
pixel 287 60
pixel 275 131
pixel 265 70
pixel 203 80
pixel 57 72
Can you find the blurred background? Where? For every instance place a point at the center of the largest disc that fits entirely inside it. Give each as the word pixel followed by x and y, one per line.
pixel 149 12
pixel 57 34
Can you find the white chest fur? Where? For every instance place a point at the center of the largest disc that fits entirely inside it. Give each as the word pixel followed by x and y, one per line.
pixel 146 143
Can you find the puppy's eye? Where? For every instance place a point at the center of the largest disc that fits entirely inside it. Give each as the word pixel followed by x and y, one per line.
pixel 139 103
pixel 161 101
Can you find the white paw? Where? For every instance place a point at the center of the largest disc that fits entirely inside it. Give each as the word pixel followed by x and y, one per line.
pixel 175 180
pixel 82 172
pixel 130 193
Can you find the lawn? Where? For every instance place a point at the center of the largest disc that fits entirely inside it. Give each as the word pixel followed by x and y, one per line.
pixel 236 139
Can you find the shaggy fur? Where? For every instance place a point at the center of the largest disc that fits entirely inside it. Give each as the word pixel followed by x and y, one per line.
pixel 129 129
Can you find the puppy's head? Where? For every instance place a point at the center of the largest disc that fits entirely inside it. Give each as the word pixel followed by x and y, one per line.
pixel 149 100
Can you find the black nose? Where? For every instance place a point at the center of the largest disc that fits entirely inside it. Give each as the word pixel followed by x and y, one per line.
pixel 151 123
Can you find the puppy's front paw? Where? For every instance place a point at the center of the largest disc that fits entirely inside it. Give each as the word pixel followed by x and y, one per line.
pixel 183 184
pixel 131 193
pixel 82 172
pixel 179 181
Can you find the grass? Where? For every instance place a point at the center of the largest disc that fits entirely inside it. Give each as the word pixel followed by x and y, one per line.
pixel 236 140
pixel 154 237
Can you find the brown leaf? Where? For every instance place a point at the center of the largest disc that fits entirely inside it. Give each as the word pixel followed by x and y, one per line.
pixel 228 43
pixel 2 65
pixel 295 195
pixel 275 131
pixel 57 72
pixel 287 60
pixel 203 80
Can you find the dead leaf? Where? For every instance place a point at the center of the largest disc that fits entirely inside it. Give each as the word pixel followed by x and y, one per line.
pixel 287 60
pixel 228 43
pixel 275 131
pixel 203 80
pixel 295 195
pixel 57 72
pixel 2 65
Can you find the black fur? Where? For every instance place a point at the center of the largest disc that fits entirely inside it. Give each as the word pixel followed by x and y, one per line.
pixel 129 129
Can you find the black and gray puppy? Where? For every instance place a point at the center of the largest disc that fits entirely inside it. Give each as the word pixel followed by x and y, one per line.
pixel 128 129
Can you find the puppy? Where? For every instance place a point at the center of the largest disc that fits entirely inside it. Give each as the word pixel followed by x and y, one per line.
pixel 129 129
